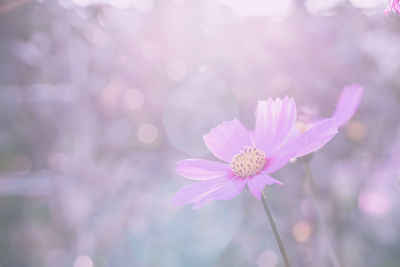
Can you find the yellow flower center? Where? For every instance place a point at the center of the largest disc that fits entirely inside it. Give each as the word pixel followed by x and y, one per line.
pixel 248 162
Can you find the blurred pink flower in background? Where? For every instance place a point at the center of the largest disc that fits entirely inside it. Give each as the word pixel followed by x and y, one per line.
pixel 251 157
pixel 393 5
pixel 346 106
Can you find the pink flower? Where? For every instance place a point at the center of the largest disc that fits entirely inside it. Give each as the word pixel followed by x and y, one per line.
pixel 248 159
pixel 346 106
pixel 393 5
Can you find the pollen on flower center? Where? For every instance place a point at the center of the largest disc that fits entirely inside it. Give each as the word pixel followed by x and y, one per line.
pixel 248 162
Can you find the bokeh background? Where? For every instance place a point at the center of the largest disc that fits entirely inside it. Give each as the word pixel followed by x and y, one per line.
pixel 100 98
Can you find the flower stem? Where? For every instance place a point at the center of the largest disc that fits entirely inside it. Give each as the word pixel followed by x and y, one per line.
pixel 314 195
pixel 275 230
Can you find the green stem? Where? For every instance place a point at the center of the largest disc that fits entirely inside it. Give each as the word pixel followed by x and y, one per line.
pixel 314 195
pixel 275 230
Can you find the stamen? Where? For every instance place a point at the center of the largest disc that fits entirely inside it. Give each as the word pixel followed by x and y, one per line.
pixel 248 162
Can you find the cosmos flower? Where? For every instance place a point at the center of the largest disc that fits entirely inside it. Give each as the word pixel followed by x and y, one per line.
pixel 248 159
pixel 393 5
pixel 346 106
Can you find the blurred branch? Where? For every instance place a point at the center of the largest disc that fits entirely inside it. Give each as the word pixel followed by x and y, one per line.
pixel 314 196
pixel 11 5
pixel 27 186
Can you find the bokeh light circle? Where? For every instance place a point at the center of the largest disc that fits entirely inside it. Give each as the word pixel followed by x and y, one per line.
pixel 147 133
pixel 193 108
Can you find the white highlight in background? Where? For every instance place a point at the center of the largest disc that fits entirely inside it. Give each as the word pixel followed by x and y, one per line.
pixel 83 261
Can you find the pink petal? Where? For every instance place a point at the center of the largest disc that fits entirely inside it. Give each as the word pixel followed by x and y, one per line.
pixel 316 137
pixel 308 142
pixel 229 191
pixel 347 104
pixel 257 183
pixel 198 169
pixel 392 5
pixel 389 7
pixel 396 7
pixel 251 135
pixel 227 139
pixel 196 191
pixel 274 121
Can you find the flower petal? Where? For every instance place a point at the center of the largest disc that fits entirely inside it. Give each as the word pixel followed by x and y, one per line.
pixel 196 191
pixel 392 5
pixel 347 104
pixel 396 6
pixel 226 192
pixel 227 139
pixel 389 7
pixel 274 122
pixel 257 183
pixel 199 169
pixel 315 138
pixel 308 142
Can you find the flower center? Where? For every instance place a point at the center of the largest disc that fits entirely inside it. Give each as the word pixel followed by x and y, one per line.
pixel 248 162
